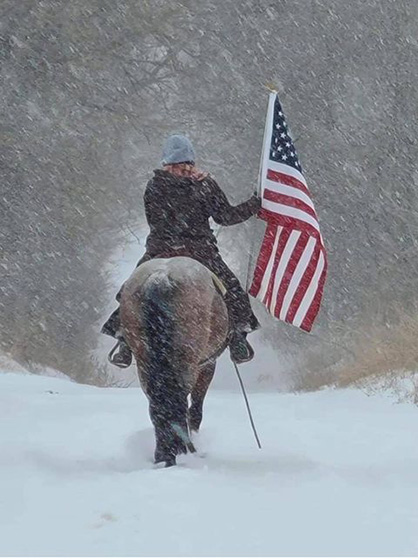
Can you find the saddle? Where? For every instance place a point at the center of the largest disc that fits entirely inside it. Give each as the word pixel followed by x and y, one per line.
pixel 181 250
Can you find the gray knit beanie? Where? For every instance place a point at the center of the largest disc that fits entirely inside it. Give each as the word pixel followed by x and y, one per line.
pixel 177 149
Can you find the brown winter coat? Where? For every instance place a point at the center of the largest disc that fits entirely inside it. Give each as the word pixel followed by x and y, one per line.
pixel 178 210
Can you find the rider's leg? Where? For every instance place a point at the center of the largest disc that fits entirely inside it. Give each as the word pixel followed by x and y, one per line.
pixel 121 356
pixel 242 318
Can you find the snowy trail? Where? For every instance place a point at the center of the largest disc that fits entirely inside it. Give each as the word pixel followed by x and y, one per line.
pixel 338 475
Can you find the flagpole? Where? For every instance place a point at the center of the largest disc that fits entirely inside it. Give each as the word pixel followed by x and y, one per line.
pixel 274 92
pixel 260 171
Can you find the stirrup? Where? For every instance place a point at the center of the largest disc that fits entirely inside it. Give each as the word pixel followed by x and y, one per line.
pixel 234 350
pixel 111 355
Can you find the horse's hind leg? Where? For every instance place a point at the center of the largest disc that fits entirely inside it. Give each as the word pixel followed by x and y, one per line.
pixel 198 395
pixel 168 411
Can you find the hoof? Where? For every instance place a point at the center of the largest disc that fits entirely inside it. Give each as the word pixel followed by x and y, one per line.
pixel 184 444
pixel 165 462
pixel 164 458
pixel 194 424
pixel 191 447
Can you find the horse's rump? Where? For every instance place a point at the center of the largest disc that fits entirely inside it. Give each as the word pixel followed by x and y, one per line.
pixel 173 303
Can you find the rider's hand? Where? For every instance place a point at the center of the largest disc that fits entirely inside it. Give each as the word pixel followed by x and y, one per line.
pixel 197 174
pixel 255 202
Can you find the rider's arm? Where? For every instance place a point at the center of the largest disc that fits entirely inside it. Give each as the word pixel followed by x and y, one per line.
pixel 223 212
pixel 156 211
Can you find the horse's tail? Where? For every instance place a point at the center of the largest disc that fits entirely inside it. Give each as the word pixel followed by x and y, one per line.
pixel 158 319
pixel 166 371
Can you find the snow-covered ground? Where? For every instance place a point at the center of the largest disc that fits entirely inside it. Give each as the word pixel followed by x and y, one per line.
pixel 337 475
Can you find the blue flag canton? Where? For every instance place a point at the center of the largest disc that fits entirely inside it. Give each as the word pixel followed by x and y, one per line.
pixel 282 149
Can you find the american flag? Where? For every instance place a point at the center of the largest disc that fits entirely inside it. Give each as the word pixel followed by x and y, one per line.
pixel 290 272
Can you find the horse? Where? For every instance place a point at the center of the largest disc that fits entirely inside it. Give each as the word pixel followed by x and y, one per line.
pixel 175 320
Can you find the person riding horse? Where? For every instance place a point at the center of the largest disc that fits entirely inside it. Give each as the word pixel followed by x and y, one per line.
pixel 179 200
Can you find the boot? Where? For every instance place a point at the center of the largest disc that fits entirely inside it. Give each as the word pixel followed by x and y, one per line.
pixel 123 357
pixel 239 348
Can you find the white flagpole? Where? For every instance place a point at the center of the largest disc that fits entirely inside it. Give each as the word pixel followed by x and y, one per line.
pixel 265 152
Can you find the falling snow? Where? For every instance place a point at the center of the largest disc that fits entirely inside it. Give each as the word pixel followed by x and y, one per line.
pixel 88 92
